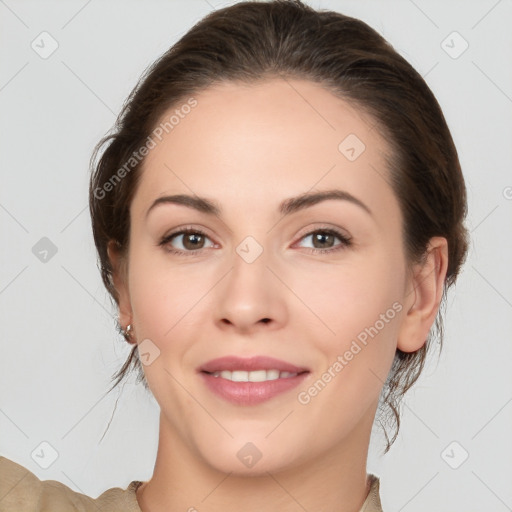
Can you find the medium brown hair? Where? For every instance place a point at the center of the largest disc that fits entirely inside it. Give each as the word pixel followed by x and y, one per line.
pixel 253 41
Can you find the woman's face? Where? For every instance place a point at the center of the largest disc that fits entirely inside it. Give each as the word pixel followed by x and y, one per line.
pixel 319 286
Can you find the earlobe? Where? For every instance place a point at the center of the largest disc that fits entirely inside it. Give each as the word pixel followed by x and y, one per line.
pixel 119 278
pixel 424 298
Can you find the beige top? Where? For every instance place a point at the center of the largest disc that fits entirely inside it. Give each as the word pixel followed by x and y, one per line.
pixel 22 491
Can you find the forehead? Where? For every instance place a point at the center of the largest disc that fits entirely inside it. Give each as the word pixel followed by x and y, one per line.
pixel 256 144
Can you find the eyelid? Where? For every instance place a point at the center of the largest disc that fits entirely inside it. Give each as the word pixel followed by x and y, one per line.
pixel 323 227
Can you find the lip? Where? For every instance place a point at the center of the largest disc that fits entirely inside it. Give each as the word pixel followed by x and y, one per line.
pixel 232 363
pixel 250 393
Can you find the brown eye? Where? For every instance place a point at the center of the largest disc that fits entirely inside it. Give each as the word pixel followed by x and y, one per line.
pixel 324 240
pixel 192 241
pixel 186 241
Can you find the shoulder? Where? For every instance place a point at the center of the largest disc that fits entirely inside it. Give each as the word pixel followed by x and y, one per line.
pixel 22 491
pixel 372 502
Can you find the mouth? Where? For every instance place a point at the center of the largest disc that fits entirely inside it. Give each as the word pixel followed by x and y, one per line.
pixel 253 376
pixel 251 381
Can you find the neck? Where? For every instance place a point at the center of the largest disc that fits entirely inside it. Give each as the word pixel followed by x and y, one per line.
pixel 333 482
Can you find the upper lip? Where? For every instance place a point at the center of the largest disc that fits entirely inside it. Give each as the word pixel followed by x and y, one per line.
pixel 232 363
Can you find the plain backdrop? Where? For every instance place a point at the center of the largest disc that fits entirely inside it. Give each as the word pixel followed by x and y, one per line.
pixel 59 346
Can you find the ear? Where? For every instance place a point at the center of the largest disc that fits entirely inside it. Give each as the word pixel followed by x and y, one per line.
pixel 422 300
pixel 120 280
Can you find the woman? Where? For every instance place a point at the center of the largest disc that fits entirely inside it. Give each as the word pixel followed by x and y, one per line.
pixel 278 216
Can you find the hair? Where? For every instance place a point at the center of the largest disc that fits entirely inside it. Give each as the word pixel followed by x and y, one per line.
pixel 250 42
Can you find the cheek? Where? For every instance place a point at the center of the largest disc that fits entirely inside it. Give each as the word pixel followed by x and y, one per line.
pixel 163 305
pixel 362 309
pixel 352 296
pixel 161 299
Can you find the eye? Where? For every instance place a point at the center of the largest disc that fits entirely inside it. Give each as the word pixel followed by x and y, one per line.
pixel 191 241
pixel 186 241
pixel 324 240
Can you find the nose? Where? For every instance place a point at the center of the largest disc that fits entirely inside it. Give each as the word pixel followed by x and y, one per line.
pixel 250 298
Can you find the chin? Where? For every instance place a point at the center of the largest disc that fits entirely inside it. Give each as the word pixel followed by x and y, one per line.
pixel 262 467
pixel 245 458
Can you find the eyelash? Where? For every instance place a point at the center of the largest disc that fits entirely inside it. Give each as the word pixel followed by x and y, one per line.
pixel 345 241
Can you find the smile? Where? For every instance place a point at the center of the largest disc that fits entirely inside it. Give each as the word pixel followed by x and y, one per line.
pixel 250 381
pixel 254 376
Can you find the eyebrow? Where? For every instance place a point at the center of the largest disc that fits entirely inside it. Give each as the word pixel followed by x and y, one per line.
pixel 287 207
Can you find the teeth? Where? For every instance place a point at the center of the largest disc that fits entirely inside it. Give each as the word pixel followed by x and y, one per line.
pixel 273 374
pixel 257 376
pixel 237 376
pixel 254 376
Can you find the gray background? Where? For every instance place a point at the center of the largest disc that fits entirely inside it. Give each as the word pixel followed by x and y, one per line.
pixel 58 342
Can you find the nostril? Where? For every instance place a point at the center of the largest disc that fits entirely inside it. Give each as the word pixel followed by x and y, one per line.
pixel 265 320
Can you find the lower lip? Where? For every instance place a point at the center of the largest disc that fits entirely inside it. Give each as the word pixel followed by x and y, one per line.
pixel 251 393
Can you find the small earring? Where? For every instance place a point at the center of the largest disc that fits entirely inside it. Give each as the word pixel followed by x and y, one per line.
pixel 127 333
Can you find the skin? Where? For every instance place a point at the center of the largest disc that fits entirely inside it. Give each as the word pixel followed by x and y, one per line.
pixel 249 147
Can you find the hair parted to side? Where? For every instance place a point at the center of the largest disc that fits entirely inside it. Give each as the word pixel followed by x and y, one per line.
pixel 253 41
